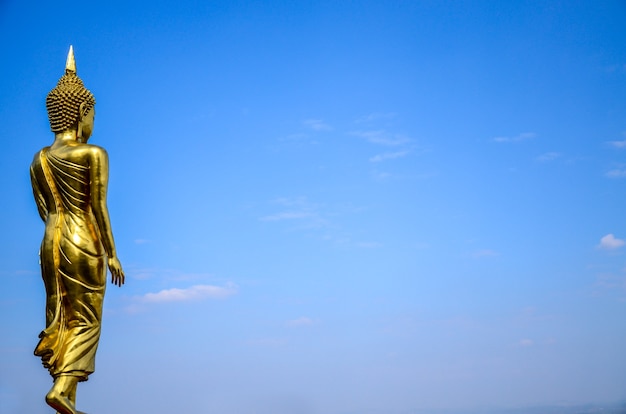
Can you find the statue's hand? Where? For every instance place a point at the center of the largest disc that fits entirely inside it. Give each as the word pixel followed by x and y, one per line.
pixel 117 274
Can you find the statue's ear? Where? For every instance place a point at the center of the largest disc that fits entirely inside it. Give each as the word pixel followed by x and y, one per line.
pixel 82 111
pixel 79 127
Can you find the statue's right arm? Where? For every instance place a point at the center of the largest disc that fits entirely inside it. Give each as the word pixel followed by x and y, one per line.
pixel 99 178
pixel 39 198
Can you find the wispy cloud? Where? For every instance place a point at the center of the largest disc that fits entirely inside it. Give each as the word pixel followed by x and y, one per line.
pixel 288 215
pixel 381 175
pixel 389 156
pixel 517 138
pixel 19 272
pixel 610 282
pixel 297 137
pixel 526 342
pixel 610 242
pixel 616 173
pixel 267 342
pixel 317 125
pixel 376 116
pixel 618 67
pixel 617 144
pixel 531 316
pixel 369 245
pixel 297 209
pixel 382 137
pixel 300 322
pixel 167 276
pixel 193 293
pixel 316 220
pixel 548 156
pixel 479 254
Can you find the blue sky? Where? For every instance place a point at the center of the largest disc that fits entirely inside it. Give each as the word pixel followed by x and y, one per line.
pixel 364 207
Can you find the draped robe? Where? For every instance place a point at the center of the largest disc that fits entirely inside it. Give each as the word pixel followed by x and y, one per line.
pixel 72 261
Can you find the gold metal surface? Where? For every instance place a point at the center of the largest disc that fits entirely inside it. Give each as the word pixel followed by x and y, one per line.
pixel 69 180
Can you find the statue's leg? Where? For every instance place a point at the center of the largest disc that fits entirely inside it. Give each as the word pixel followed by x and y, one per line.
pixel 72 392
pixel 59 395
pixel 72 396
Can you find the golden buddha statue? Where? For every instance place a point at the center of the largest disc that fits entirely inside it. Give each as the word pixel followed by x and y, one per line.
pixel 69 180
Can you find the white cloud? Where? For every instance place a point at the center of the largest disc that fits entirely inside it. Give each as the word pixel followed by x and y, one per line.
pixel 381 175
pixel 317 125
pixel 610 242
pixel 298 209
pixel 22 272
pixel 166 276
pixel 526 342
pixel 548 156
pixel 314 219
pixel 611 281
pixel 484 253
pixel 616 173
pixel 376 116
pixel 521 137
pixel 297 323
pixel 369 245
pixel 141 274
pixel 388 156
pixel 616 68
pixel 382 137
pixel 193 293
pixel 295 137
pixel 287 215
pixel 618 144
pixel 267 342
pixel 300 201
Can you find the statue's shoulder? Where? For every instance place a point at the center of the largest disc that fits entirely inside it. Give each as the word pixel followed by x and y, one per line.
pixel 37 156
pixel 94 152
pixel 94 149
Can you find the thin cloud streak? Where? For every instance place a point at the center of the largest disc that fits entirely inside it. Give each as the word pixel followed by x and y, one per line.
pixel 376 116
pixel 300 322
pixel 369 245
pixel 317 125
pixel 389 156
pixel 617 144
pixel 382 137
pixel 478 254
pixel 288 215
pixel 193 293
pixel 297 209
pixel 616 173
pixel 548 156
pixel 518 138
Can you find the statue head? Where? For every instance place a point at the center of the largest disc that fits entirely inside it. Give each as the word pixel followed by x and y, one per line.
pixel 70 102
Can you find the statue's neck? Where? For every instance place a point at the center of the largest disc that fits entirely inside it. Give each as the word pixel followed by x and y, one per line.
pixel 66 137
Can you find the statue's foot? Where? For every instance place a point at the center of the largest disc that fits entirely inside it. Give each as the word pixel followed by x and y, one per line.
pixel 77 412
pixel 62 404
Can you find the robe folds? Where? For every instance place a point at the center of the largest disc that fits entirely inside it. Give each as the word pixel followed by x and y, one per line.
pixel 73 266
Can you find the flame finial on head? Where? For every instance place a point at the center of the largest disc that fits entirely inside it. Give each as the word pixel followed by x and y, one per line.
pixel 70 64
